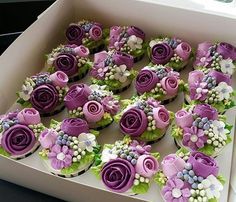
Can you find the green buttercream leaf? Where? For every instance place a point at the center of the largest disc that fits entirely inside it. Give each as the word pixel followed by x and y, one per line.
pixel 175 65
pixel 160 178
pixel 51 69
pixel 222 117
pixel 220 106
pixel 105 33
pixel 75 166
pixel 54 124
pixel 141 188
pixel 230 105
pixel 212 200
pixel 176 131
pixel 4 153
pixel 207 149
pixel 229 139
pixel 156 155
pixel 229 127
pixel 182 150
pixel 97 170
pixel 222 179
pixel 137 52
pixel 23 103
pixel 151 135
pixel 91 44
pixel 83 69
pixel 95 132
pixel 107 119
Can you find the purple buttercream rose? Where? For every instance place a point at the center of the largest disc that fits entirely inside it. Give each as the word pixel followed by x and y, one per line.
pixel 100 57
pixel 81 51
pixel 95 32
pixel 29 116
pixel 146 81
pixel 110 105
pixel 44 98
pixel 183 50
pixel 67 63
pixel 74 126
pixel 161 116
pixel 206 110
pixel 118 175
pixel 170 84
pixel 161 53
pixel 93 111
pixel 121 58
pixel 203 48
pixel 220 77
pixel 132 30
pixel 133 122
pixel 115 32
pixel 77 96
pixel 226 50
pixel 59 78
pixel 195 77
pixel 48 138
pixel 183 118
pixel 18 140
pixel 74 34
pixel 203 165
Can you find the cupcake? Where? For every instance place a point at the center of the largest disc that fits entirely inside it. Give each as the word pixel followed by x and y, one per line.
pixel 186 176
pixel 19 132
pixel 126 166
pixel 68 147
pixel 159 82
pixel 128 39
pixel 172 52
pixel 201 128
pixel 213 88
pixel 144 119
pixel 218 56
pixel 113 69
pixel 92 103
pixel 87 33
pixel 71 59
pixel 44 92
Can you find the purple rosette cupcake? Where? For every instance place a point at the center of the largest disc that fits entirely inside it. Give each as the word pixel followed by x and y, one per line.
pixel 159 82
pixel 201 128
pixel 126 165
pixel 128 39
pixel 71 59
pixel 93 103
pixel 217 56
pixel 44 92
pixel 212 87
pixel 88 33
pixel 113 69
pixel 19 132
pixel 172 52
pixel 68 147
pixel 144 119
pixel 189 176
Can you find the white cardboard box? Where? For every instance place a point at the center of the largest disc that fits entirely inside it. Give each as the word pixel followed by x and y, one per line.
pixel 26 56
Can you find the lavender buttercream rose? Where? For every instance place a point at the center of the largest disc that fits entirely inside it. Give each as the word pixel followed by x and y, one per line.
pixel 74 34
pixel 161 116
pixel 132 30
pixel 183 50
pixel 95 32
pixel 29 116
pixel 48 138
pixel 226 50
pixel 170 85
pixel 121 58
pixel 206 110
pixel 59 78
pixel 183 118
pixel 93 111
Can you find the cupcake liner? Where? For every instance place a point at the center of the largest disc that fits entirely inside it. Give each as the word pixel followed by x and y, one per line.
pixel 97 49
pixel 155 141
pixel 101 127
pixel 164 102
pixel 139 58
pixel 78 76
pixel 56 111
pixel 34 149
pixel 122 89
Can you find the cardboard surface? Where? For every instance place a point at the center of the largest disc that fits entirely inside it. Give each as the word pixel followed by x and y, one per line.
pixel 26 56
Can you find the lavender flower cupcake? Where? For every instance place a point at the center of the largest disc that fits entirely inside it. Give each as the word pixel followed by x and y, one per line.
pixel 201 128
pixel 144 119
pixel 44 92
pixel 68 147
pixel 92 103
pixel 128 39
pixel 19 131
pixel 172 52
pixel 113 69
pixel 126 165
pixel 87 33
pixel 159 82
pixel 190 177
pixel 212 87
pixel 218 56
pixel 71 59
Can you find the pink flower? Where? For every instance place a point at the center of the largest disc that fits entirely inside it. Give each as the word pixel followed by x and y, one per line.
pixel 59 78
pixel 175 191
pixel 61 157
pixel 203 60
pixel 29 116
pixel 93 111
pixel 98 71
pixel 170 85
pixel 95 33
pixel 199 92
pixel 161 116
pixel 183 50
pixel 194 138
pixel 81 51
pixel 48 138
pixel 110 105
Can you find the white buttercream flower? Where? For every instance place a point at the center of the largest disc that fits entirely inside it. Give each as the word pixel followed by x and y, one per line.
pixel 227 66
pixel 107 155
pixel 152 43
pixel 212 186
pixel 121 73
pixel 87 141
pixel 134 42
pixel 100 89
pixel 219 129
pixel 26 91
pixel 224 91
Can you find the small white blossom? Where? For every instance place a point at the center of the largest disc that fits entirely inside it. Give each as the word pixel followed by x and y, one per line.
pixel 134 42
pixel 219 129
pixel 87 141
pixel 152 43
pixel 121 73
pixel 224 91
pixel 107 155
pixel 26 91
pixel 227 66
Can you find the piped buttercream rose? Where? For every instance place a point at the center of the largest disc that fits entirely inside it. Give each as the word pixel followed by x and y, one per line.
pixel 183 50
pixel 74 34
pixel 195 78
pixel 44 98
pixel 220 77
pixel 226 50
pixel 203 165
pixel 206 110
pixel 81 51
pixel 59 78
pixel 18 140
pixel 146 166
pixel 161 116
pixel 77 96
pixel 67 63
pixel 172 164
pixel 132 30
pixel 95 32
pixel 48 138
pixel 146 81
pixel 121 58
pixel 93 111
pixel 183 118
pixel 118 175
pixel 74 126
pixel 170 85
pixel 161 53
pixel 133 122
pixel 29 116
